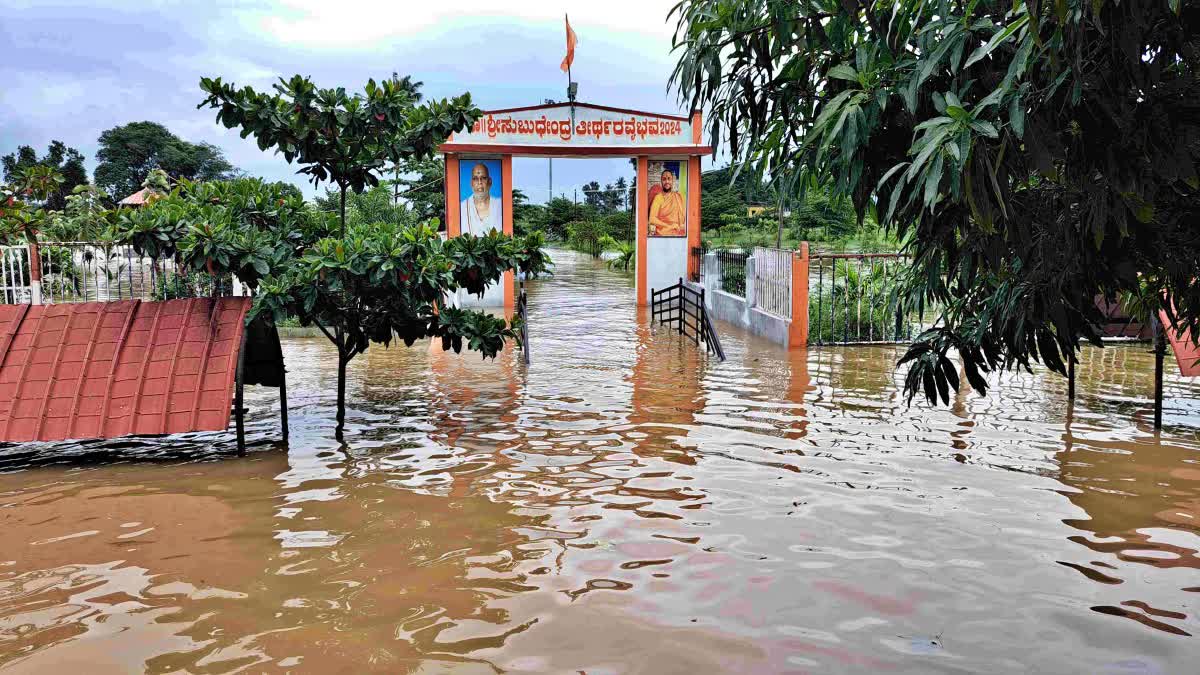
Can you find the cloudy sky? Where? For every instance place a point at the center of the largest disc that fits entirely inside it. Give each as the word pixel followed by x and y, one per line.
pixel 73 69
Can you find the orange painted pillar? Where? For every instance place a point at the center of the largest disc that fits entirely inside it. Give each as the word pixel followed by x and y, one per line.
pixel 798 329
pixel 506 188
pixel 641 221
pixel 453 199
pixel 693 228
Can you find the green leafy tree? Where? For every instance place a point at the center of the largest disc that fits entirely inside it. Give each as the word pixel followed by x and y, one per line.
pixel 616 195
pixel 373 205
pixel 68 162
pixel 422 184
pixel 129 152
pixel 559 212
pixel 363 282
pixel 85 217
pixel 619 226
pixel 347 140
pixel 1035 155
pixel 592 196
pixel 23 212
pixel 587 236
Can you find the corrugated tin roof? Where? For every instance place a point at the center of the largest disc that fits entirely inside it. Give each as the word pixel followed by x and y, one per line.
pixel 108 369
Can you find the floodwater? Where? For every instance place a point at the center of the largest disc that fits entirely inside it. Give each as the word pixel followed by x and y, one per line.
pixel 624 504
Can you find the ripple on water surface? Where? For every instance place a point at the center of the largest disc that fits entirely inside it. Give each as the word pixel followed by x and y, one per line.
pixel 622 504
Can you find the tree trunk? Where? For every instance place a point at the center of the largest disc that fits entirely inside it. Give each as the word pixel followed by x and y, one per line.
pixel 343 190
pixel 341 397
pixel 779 232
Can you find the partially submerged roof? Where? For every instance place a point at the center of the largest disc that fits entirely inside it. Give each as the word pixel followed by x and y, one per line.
pixel 109 369
pixel 1187 354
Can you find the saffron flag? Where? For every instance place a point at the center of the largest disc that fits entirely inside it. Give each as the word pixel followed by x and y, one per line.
pixel 572 40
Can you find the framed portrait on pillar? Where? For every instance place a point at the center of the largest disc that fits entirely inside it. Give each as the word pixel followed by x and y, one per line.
pixel 666 197
pixel 482 207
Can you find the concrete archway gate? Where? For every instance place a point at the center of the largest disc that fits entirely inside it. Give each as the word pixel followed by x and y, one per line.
pixel 667 216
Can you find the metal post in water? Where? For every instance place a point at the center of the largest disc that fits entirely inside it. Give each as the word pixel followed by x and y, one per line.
pixel 846 302
pixel 1071 377
pixel 679 306
pixel 820 298
pixel 283 415
pixel 1160 352
pixel 239 412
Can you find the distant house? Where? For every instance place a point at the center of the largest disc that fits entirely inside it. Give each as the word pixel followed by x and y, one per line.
pixel 755 210
pixel 138 198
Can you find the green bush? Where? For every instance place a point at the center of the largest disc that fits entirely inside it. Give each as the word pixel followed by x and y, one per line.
pixel 626 254
pixel 172 286
pixel 733 280
pixel 861 303
pixel 620 226
pixel 586 236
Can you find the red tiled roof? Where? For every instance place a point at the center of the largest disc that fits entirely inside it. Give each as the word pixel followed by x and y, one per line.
pixel 1186 352
pixel 136 199
pixel 108 369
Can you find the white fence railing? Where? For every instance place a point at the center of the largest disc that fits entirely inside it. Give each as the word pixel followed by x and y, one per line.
pixel 15 288
pixel 88 272
pixel 75 271
pixel 773 281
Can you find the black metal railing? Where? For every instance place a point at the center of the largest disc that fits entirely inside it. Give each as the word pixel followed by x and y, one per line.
pixel 523 313
pixel 854 299
pixel 696 263
pixel 731 266
pixel 684 307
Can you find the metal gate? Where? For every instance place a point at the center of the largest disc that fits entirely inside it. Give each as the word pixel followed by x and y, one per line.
pixel 853 299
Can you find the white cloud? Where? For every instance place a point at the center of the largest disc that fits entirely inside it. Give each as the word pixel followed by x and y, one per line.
pixel 78 67
pixel 358 23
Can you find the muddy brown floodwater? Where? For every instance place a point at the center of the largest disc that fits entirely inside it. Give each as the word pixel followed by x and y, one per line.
pixel 624 504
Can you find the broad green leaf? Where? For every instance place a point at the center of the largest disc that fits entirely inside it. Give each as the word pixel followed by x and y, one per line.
pixel 996 40
pixel 1016 116
pixel 986 128
pixel 843 71
pixel 958 113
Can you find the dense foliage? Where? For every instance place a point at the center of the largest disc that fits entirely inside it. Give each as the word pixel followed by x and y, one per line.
pixel 68 162
pixel 422 184
pixel 23 203
pixel 1036 155
pixel 347 140
pixel 365 281
pixel 380 281
pixel 373 205
pixel 129 152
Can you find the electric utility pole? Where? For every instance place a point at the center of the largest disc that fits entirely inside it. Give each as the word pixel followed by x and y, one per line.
pixel 550 164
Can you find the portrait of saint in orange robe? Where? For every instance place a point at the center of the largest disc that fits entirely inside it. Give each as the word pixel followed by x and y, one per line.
pixel 668 211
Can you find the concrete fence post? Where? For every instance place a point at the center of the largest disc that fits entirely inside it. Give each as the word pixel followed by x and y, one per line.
pixel 751 292
pixel 798 329
pixel 712 273
pixel 35 274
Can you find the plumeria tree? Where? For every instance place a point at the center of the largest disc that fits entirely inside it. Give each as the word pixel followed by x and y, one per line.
pixel 366 282
pixel 348 140
pixel 23 211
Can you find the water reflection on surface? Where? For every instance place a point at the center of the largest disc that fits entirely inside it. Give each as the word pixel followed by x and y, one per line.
pixel 622 504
